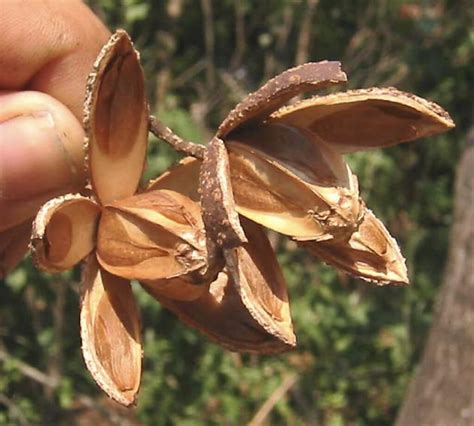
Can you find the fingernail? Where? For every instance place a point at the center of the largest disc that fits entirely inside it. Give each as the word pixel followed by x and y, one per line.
pixel 33 159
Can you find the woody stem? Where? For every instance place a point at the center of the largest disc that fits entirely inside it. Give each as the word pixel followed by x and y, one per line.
pixel 167 135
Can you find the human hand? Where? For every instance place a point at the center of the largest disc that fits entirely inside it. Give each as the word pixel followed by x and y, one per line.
pixel 46 52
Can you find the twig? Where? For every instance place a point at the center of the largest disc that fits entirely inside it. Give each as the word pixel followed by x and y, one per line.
pixel 167 135
pixel 240 45
pixel 52 383
pixel 29 371
pixel 190 72
pixel 209 39
pixel 14 410
pixel 304 36
pixel 273 399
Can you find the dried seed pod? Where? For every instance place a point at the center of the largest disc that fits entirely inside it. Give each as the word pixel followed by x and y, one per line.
pixel 183 177
pixel 116 120
pixel 13 246
pixel 279 90
pixel 260 283
pixel 370 253
pixel 177 289
pixel 110 333
pixel 217 201
pixel 287 180
pixel 151 236
pixel 64 232
pixel 245 310
pixel 367 118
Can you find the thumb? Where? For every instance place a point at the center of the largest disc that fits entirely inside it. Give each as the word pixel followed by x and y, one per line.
pixel 40 154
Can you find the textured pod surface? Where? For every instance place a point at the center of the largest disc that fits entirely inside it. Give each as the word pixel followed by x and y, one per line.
pixel 246 310
pixel 279 90
pixel 259 280
pixel 370 253
pixel 116 120
pixel 64 232
pixel 13 246
pixel 286 180
pixel 267 195
pixel 151 236
pixel 367 118
pixel 183 177
pixel 220 217
pixel 180 288
pixel 110 333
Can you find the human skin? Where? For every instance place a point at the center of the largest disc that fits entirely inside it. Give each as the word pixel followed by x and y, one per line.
pixel 47 49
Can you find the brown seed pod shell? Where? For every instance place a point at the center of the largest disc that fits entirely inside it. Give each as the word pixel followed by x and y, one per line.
pixel 110 333
pixel 279 90
pixel 64 232
pixel 366 118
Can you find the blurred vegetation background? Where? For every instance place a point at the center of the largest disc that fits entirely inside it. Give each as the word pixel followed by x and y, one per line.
pixel 358 344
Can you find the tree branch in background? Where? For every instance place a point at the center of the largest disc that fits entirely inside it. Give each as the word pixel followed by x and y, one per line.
pixel 14 410
pixel 304 36
pixel 442 392
pixel 166 38
pixel 240 43
pixel 55 361
pixel 272 66
pixel 51 383
pixel 263 412
pixel 206 6
pixel 29 371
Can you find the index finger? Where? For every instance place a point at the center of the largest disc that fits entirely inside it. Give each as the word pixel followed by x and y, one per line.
pixel 49 46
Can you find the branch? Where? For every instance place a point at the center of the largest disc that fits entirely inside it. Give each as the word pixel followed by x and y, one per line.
pixel 206 6
pixel 273 399
pixel 304 36
pixel 53 382
pixel 167 135
pixel 14 410
pixel 29 371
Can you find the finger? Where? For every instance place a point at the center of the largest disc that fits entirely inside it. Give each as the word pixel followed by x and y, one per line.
pixel 49 46
pixel 40 153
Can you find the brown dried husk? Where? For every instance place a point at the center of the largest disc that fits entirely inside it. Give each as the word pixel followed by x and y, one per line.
pixel 116 120
pixel 370 253
pixel 13 246
pixel 366 118
pixel 246 310
pixel 286 180
pixel 183 177
pixel 152 236
pixel 64 232
pixel 220 217
pixel 279 90
pixel 110 333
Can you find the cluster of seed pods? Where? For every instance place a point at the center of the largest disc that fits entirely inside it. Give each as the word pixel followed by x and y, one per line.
pixel 194 237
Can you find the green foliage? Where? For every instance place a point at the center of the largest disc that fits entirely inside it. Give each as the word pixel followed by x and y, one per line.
pixel 358 344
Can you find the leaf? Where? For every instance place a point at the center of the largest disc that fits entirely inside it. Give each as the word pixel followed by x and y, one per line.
pixel 279 90
pixel 116 120
pixel 366 118
pixel 110 332
pixel 370 253
pixel 64 232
